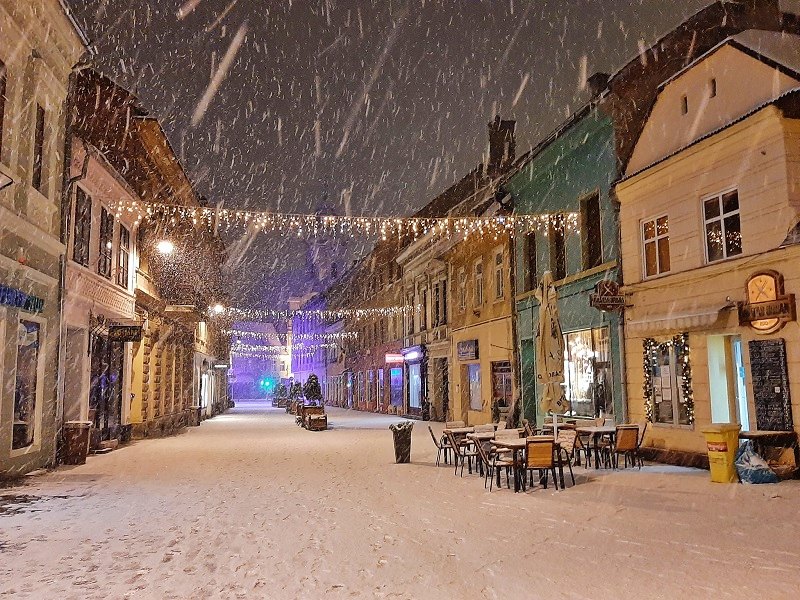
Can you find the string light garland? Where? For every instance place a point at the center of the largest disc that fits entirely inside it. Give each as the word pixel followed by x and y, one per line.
pixel 266 355
pixel 256 314
pixel 297 224
pixel 281 349
pixel 297 337
pixel 651 351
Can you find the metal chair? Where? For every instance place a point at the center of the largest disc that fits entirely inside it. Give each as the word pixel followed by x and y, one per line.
pixel 540 456
pixel 627 444
pixel 566 446
pixel 442 447
pixel 463 451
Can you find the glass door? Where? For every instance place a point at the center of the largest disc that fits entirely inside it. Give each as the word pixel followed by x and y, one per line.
pixel 740 383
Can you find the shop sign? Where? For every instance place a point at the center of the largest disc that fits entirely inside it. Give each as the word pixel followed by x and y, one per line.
pixel 393 357
pixel 125 333
pixel 606 296
pixel 467 350
pixel 412 354
pixel 767 308
pixel 19 299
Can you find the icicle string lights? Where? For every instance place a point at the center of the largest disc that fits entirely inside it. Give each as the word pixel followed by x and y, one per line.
pixel 241 347
pixel 296 337
pixel 255 314
pixel 307 224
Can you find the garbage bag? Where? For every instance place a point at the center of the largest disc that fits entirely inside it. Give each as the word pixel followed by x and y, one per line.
pixel 402 440
pixel 751 467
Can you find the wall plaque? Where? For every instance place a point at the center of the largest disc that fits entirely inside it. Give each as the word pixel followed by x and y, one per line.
pixel 770 385
pixel 467 350
pixel 606 296
pixel 767 308
pixel 125 333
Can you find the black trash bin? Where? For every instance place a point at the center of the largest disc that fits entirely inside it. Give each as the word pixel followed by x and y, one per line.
pixel 402 441
pixel 76 442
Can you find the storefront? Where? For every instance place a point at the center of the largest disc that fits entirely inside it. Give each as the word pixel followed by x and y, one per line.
pixel 394 368
pixel 415 360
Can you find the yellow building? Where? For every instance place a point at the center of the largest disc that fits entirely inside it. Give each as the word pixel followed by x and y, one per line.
pixel 710 274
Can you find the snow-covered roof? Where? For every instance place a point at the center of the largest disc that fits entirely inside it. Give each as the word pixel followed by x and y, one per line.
pixel 780 47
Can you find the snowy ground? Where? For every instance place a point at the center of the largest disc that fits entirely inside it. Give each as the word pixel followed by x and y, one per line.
pixel 250 506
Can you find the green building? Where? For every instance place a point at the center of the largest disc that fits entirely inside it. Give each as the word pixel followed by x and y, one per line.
pixel 572 172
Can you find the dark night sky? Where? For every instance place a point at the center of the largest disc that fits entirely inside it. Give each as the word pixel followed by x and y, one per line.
pixel 369 107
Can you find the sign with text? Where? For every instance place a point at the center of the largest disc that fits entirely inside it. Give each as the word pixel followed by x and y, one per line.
pixel 125 333
pixel 606 296
pixel 770 385
pixel 19 299
pixel 467 350
pixel 767 308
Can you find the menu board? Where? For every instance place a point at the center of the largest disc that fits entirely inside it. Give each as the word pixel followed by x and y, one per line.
pixel 770 385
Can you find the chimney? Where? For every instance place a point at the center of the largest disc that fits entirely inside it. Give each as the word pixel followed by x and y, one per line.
pixel 597 83
pixel 502 146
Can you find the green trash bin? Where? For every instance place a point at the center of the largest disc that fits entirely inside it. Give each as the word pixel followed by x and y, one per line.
pixel 722 442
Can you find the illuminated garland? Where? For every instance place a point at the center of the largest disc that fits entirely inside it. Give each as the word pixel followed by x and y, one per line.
pixel 255 314
pixel 651 350
pixel 297 337
pixel 266 355
pixel 240 346
pixel 296 224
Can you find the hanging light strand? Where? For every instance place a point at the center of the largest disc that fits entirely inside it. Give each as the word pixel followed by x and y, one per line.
pixel 268 336
pixel 297 224
pixel 257 314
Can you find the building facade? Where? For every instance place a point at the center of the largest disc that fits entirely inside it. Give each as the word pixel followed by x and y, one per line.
pixel 710 273
pixel 39 46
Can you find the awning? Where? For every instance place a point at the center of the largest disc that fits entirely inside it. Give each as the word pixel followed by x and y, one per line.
pixel 674 321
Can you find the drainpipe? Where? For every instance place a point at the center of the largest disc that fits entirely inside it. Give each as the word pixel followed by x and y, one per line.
pixel 623 376
pixel 512 276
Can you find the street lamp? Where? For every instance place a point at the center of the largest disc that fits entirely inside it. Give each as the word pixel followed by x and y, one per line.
pixel 218 309
pixel 165 247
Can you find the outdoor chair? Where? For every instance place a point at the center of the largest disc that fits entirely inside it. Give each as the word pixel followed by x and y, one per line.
pixel 442 447
pixel 627 444
pixel 528 429
pixel 540 456
pixel 642 431
pixel 463 452
pixel 454 424
pixel 494 463
pixel 505 434
pixel 567 439
pixel 501 425
pixel 484 428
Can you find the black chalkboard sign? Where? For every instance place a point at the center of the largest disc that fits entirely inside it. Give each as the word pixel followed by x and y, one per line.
pixel 771 385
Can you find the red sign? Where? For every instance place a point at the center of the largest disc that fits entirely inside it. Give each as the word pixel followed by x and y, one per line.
pixel 393 357
pixel 717 446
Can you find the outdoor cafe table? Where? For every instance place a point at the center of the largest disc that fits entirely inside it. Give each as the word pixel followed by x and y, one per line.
pixel 596 431
pixel 517 444
pixel 481 436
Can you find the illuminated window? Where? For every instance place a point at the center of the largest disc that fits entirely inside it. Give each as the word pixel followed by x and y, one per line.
pixel 655 246
pixel 723 228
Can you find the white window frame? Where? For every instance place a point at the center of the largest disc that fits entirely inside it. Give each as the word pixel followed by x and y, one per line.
pixel 499 276
pixel 721 219
pixel 644 242
pixel 477 280
pixel 36 444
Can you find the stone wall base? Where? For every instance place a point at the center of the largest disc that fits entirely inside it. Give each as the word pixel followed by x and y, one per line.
pixel 162 426
pixel 676 457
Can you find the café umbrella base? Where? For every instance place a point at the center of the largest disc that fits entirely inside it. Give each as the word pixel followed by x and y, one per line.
pixel 402 441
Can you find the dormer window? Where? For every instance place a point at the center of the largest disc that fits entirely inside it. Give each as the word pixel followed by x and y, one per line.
pixel 712 88
pixel 684 104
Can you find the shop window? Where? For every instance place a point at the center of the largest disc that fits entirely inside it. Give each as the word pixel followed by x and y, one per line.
pixel 723 229
pixel 370 388
pixel 396 386
pixel 478 283
pixel 655 246
pixel 591 232
pixel 38 150
pixel 501 382
pixel 26 385
pixel 414 386
pixel 105 243
pixel 531 278
pixel 123 256
pixel 587 369
pixel 82 228
pixel 499 288
pixel 668 381
pixel 558 249
pixel 473 385
pixel 379 399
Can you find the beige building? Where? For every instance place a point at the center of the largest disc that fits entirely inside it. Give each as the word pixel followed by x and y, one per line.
pixel 39 46
pixel 710 274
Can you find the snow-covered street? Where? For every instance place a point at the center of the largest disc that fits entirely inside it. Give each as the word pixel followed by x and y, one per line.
pixel 248 505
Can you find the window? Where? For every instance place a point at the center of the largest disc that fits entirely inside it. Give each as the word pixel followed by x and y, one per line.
pixel 591 233
pixel 558 250
pixel 38 149
pixel 414 386
pixel 105 240
pixel 655 246
pixel 478 284
pixel 410 315
pixel 473 373
pixel 499 288
pixel 587 372
pixel 437 302
pixel 684 105
pixel 3 82
pixel 530 261
pixel 723 226
pixel 462 289
pixel 379 397
pixel 83 224
pixel 26 387
pixel 123 256
pixel 712 88
pixel 501 382
pixel 423 316
pixel 669 406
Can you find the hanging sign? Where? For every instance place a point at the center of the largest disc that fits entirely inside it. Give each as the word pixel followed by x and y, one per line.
pixel 767 308
pixel 467 350
pixel 125 333
pixel 19 299
pixel 606 296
